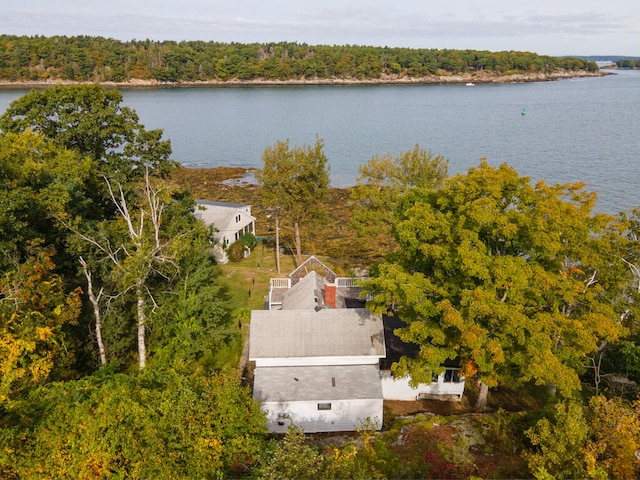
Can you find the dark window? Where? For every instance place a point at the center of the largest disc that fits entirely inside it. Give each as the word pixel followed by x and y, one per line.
pixel 452 375
pixel 324 406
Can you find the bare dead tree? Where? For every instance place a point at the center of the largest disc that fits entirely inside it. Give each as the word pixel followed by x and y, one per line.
pixel 95 302
pixel 136 258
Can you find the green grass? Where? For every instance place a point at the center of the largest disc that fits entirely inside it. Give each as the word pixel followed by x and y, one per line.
pixel 247 281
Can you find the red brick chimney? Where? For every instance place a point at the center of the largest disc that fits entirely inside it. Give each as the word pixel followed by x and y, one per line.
pixel 330 295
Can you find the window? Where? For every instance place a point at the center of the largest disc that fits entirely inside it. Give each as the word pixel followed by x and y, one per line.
pixel 237 218
pixel 324 406
pixel 452 375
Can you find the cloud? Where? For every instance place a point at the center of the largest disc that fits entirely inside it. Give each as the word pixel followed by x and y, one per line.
pixel 463 25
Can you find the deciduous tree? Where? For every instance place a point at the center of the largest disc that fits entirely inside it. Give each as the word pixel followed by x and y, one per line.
pixel 34 311
pixel 295 181
pixel 38 180
pixel 615 444
pixel 502 276
pixel 560 444
pixel 92 121
pixel 156 424
pixel 381 183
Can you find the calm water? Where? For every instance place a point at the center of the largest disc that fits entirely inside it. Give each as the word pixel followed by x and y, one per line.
pixel 574 130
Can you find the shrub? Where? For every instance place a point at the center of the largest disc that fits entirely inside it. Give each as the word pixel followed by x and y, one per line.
pixel 235 251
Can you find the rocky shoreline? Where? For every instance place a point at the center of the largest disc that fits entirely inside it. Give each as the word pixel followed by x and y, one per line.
pixel 475 78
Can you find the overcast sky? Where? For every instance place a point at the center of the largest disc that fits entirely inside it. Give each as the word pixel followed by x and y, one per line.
pixel 549 27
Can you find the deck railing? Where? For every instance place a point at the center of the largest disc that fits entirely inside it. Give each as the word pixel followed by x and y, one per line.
pixel 348 281
pixel 280 283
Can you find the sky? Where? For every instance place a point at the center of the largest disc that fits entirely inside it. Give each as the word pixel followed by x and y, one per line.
pixel 547 27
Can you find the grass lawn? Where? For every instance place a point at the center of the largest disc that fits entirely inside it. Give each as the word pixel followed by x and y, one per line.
pixel 247 281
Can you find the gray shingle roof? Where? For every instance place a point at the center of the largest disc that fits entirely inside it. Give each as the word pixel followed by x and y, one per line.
pixel 223 215
pixel 307 333
pixel 306 294
pixel 322 383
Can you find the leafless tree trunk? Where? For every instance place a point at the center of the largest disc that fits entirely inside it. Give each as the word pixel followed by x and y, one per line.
pixel 481 403
pixel 142 241
pixel 596 364
pixel 142 321
pixel 95 302
pixel 635 270
pixel 145 245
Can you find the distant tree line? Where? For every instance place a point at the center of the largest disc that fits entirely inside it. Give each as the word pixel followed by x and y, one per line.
pixel 628 63
pixel 98 59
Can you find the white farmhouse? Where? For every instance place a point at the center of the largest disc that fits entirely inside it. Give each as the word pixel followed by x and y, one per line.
pixel 317 369
pixel 230 220
pixel 318 351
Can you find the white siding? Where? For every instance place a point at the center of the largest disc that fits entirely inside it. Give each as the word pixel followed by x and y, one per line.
pixel 345 415
pixel 399 388
pixel 230 220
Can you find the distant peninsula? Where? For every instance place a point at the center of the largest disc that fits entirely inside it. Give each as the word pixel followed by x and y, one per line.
pixel 42 61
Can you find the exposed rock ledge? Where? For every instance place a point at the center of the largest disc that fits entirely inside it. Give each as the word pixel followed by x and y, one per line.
pixel 476 77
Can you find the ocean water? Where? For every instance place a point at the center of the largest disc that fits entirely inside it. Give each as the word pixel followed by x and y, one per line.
pixel 575 130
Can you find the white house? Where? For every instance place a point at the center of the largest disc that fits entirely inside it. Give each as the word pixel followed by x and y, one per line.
pixel 230 220
pixel 317 362
pixel 317 369
pixel 447 386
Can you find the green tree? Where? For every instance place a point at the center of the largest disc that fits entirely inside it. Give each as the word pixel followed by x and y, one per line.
pixel 38 180
pixel 380 185
pixel 92 121
pixel 600 440
pixel 559 444
pixel 157 424
pixel 34 311
pixel 499 274
pixel 274 178
pixel 192 328
pixel 294 181
pixel 292 458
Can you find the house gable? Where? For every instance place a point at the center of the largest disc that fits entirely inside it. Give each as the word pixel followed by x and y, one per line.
pixel 230 220
pixel 310 264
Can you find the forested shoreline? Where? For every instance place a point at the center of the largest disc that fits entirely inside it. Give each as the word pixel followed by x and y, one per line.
pixel 45 60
